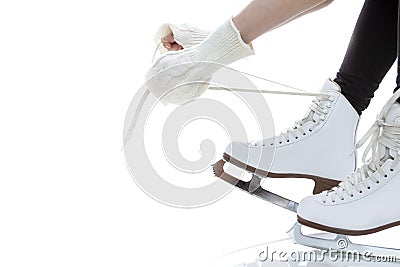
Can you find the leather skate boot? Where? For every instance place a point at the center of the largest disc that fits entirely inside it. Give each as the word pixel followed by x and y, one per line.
pixel 367 200
pixel 319 147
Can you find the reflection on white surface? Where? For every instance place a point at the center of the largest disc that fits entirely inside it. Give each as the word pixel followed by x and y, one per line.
pixel 284 253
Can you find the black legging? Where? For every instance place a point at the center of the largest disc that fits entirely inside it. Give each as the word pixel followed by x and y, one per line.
pixel 372 51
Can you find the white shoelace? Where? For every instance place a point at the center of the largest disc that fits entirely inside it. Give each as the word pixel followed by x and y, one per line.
pixel 299 92
pixel 386 134
pixel 320 107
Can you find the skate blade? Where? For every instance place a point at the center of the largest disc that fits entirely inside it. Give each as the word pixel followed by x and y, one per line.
pixel 341 244
pixel 253 187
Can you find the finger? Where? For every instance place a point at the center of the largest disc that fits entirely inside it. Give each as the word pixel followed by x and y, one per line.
pixel 168 39
pixel 175 47
pixel 167 45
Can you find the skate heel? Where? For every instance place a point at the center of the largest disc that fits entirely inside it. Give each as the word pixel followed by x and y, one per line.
pixel 322 184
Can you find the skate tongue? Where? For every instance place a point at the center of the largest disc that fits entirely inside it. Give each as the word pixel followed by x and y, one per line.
pixel 330 85
pixel 392 116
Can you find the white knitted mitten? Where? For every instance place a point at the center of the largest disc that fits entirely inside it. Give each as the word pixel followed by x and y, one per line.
pixel 223 46
pixel 184 34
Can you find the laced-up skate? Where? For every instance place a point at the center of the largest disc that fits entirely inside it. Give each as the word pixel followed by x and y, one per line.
pixel 305 150
pixel 354 207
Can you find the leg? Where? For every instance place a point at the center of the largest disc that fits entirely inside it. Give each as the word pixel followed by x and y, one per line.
pixel 371 52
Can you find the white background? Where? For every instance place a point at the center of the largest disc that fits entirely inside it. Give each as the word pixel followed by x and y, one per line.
pixel 68 71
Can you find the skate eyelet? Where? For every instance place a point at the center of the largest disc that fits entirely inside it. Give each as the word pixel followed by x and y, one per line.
pixel 342 199
pixel 333 201
pixel 309 130
pixel 377 182
pixel 360 192
pixel 351 195
pixel 287 141
pixel 391 170
pixel 280 142
pixel 297 137
pixel 368 187
pixel 385 175
pixel 304 133
pixel 272 144
pixel 324 201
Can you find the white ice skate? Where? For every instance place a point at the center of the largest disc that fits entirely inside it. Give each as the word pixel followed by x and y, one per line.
pixel 354 207
pixel 319 147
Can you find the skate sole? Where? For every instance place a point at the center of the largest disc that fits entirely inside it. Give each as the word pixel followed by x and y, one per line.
pixel 321 183
pixel 252 189
pixel 341 231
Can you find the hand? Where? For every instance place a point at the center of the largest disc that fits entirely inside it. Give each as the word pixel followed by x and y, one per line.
pixel 170 44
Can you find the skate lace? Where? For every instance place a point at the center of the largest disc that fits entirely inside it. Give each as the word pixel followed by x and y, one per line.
pixel 319 108
pixel 300 92
pixel 381 133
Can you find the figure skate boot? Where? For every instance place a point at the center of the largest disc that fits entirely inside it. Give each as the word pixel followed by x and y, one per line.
pixel 321 147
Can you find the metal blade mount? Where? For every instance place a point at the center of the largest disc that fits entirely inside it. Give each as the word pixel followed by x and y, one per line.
pixel 253 188
pixel 340 243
